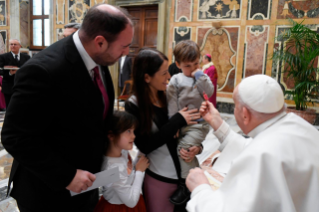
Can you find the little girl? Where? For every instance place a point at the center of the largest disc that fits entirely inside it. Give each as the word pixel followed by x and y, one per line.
pixel 125 194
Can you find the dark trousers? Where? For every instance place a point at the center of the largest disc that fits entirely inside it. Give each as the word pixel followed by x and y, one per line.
pixel 80 207
pixel 7 98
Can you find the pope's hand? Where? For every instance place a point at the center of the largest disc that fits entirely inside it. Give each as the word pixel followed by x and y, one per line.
pixel 210 114
pixel 195 178
pixel 81 181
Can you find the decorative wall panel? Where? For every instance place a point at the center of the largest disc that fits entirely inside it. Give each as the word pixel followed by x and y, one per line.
pixel 3 13
pixel 256 50
pixel 219 44
pixel 59 33
pixel 77 10
pixel 100 1
pixel 60 11
pixel 298 9
pixel 3 41
pixel 219 9
pixel 259 10
pixel 24 24
pixel 183 10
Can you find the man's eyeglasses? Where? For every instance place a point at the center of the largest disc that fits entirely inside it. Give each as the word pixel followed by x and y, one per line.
pixel 13 44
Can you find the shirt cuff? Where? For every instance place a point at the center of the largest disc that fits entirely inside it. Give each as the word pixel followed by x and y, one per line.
pixel 198 74
pixel 200 188
pixel 222 132
pixel 10 74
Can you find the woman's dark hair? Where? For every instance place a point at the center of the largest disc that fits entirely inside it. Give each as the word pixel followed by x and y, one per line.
pixel 122 121
pixel 208 58
pixel 148 61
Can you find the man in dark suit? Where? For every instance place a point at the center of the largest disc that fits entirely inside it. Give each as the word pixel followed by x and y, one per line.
pixel 125 64
pixel 12 59
pixel 57 150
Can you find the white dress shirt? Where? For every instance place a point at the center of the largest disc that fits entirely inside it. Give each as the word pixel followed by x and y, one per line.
pixel 128 189
pixel 88 61
pixel 14 55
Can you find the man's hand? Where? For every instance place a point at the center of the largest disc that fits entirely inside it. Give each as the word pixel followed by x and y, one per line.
pixel 12 72
pixel 81 181
pixel 210 114
pixel 195 178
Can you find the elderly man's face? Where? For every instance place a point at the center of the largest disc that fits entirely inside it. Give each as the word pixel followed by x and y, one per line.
pixel 68 31
pixel 118 48
pixel 14 46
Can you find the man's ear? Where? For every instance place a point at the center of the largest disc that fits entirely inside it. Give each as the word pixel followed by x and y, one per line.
pixel 178 64
pixel 246 115
pixel 100 43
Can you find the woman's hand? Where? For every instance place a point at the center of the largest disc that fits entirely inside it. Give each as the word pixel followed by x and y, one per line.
pixel 189 155
pixel 142 164
pixel 190 115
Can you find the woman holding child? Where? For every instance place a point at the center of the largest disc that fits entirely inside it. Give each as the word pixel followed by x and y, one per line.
pixel 156 134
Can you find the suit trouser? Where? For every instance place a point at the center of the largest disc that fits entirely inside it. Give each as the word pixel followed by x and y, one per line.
pixel 88 206
pixel 191 135
pixel 7 98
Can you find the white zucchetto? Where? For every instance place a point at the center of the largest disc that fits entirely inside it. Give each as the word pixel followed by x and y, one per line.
pixel 261 93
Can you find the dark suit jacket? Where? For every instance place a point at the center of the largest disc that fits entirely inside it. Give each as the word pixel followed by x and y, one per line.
pixel 127 70
pixel 53 126
pixel 5 60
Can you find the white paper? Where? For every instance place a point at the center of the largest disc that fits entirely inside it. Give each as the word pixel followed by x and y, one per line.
pixel 103 178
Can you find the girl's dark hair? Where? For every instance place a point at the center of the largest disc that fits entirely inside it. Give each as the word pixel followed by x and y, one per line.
pixel 122 121
pixel 148 61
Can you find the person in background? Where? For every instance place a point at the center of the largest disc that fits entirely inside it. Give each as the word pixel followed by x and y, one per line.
pixel 156 134
pixel 277 169
pixel 125 65
pixel 13 59
pixel 173 69
pixel 125 194
pixel 211 71
pixel 57 150
pixel 70 28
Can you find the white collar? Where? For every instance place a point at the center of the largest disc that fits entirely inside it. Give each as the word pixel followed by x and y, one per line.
pixel 16 54
pixel 88 61
pixel 265 125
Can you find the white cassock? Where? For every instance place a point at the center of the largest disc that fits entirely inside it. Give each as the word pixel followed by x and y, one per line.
pixel 278 171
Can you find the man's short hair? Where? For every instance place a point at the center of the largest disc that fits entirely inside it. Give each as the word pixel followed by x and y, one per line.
pixel 186 51
pixel 109 25
pixel 15 39
pixel 72 25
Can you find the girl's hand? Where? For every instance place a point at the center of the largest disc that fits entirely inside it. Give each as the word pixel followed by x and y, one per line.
pixel 189 155
pixel 142 164
pixel 190 116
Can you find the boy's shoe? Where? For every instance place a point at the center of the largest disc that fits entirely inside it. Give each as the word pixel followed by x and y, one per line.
pixel 181 195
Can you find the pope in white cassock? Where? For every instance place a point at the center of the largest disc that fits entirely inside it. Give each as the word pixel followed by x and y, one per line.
pixel 278 171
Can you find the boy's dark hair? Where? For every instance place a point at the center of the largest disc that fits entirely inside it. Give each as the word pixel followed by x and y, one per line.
pixel 186 51
pixel 122 121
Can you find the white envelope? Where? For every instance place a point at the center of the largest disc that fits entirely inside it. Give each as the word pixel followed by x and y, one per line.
pixel 103 178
